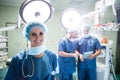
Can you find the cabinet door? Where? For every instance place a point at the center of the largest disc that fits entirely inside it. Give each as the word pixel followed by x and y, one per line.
pixel 16 42
pixel 21 42
pixel 12 43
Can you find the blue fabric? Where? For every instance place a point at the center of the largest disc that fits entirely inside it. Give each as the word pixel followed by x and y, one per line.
pixel 67 65
pixel 86 74
pixel 85 45
pixel 42 67
pixel 53 61
pixel 65 77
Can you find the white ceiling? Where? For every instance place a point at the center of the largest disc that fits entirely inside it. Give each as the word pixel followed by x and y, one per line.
pixel 82 5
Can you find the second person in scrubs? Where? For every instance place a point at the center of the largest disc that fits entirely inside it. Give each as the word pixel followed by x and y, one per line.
pixel 67 54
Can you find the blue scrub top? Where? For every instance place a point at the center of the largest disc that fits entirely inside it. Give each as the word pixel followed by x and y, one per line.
pixel 42 67
pixel 66 64
pixel 85 45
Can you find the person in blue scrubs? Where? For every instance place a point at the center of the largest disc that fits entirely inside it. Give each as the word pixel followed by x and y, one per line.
pixel 89 47
pixel 36 62
pixel 67 54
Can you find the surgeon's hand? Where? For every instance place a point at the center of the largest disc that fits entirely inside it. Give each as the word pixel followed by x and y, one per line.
pixel 76 54
pixel 81 57
pixel 91 56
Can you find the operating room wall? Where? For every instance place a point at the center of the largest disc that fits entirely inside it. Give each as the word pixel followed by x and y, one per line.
pixel 7 14
pixel 55 31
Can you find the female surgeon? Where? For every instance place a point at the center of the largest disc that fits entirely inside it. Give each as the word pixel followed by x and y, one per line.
pixel 89 47
pixel 35 62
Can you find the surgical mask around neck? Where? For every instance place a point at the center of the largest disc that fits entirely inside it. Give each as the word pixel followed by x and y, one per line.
pixel 71 39
pixel 36 50
pixel 86 35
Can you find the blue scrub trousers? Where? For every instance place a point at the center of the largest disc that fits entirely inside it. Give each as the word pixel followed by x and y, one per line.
pixel 86 74
pixel 65 76
pixel 52 77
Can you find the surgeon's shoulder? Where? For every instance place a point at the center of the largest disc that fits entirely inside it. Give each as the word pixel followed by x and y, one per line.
pixel 20 55
pixel 63 39
pixel 50 52
pixel 16 59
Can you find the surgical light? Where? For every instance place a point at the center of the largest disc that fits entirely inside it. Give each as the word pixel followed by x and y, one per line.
pixel 35 10
pixel 70 18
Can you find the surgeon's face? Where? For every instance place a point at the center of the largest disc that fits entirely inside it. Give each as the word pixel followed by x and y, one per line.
pixel 75 35
pixel 36 37
pixel 85 31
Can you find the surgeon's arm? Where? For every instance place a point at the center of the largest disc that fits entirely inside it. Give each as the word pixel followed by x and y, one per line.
pixel 54 61
pixel 95 54
pixel 65 54
pixel 12 73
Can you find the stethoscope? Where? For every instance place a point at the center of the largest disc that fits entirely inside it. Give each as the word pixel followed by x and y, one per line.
pixel 90 42
pixel 33 67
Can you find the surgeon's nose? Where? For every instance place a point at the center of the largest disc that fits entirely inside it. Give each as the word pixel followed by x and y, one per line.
pixel 37 37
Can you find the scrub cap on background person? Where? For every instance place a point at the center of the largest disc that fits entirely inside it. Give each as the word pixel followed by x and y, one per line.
pixel 29 26
pixel 85 27
pixel 72 30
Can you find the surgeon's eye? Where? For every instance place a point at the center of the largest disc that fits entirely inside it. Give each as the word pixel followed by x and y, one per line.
pixel 34 34
pixel 41 33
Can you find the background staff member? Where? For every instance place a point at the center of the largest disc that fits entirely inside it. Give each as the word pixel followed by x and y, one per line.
pixel 67 54
pixel 89 47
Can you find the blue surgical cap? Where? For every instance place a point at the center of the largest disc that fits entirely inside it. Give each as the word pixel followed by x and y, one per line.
pixel 29 26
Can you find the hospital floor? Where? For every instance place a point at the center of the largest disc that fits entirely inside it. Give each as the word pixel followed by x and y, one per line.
pixel 111 77
pixel 118 76
pixel 3 73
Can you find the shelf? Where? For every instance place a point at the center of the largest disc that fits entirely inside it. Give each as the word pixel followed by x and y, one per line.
pixel 110 29
pixel 3 41
pixel 3 51
pixel 3 54
pixel 3 47
pixel 3 37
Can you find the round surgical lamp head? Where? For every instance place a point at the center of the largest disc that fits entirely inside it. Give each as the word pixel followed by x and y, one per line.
pixel 70 18
pixel 35 10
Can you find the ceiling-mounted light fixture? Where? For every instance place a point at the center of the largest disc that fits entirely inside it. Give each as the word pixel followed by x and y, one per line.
pixel 70 18
pixel 35 10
